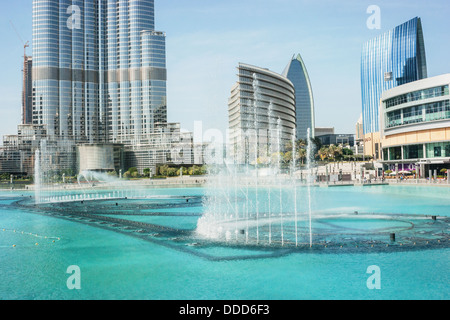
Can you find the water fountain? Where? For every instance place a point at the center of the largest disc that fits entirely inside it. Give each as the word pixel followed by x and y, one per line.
pixel 240 197
pixel 254 201
pixel 89 186
pixel 37 176
pixel 309 160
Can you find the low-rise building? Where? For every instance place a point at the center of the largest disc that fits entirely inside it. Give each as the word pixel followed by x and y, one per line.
pixel 415 126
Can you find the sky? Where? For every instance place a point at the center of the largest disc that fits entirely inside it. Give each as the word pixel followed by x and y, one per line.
pixel 206 39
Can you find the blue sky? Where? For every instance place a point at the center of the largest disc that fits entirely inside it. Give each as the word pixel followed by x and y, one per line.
pixel 206 39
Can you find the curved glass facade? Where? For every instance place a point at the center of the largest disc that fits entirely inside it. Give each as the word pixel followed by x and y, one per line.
pixel 394 58
pixel 99 70
pixel 304 100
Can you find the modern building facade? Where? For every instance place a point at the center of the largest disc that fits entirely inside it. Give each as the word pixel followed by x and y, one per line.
pixel 337 139
pixel 261 112
pixel 18 153
pixel 99 69
pixel 359 130
pixel 392 59
pixel 27 91
pixel 304 100
pixel 321 131
pixel 415 123
pixel 167 145
pixel 99 77
pixel 104 157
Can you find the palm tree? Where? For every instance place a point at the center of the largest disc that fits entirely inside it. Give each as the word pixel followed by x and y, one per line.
pixel 334 152
pixel 300 143
pixel 301 154
pixel 323 153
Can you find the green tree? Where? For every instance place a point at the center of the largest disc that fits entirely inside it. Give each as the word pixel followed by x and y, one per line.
pixel 112 173
pixel 323 153
pixel 334 152
pixel 132 170
pixel 287 157
pixel 185 171
pixel 347 152
pixel 171 172
pixel 163 170
pixel 276 156
pixel 196 171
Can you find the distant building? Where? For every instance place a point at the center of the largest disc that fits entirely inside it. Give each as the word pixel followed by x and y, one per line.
pixel 27 91
pixel 323 131
pixel 359 129
pixel 415 126
pixel 392 59
pixel 100 157
pixel 167 145
pixel 337 139
pixel 18 153
pixel 327 136
pixel 261 111
pixel 304 99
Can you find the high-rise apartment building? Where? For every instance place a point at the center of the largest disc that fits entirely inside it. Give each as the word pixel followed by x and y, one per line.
pixel 392 59
pixel 27 91
pixel 304 99
pixel 261 111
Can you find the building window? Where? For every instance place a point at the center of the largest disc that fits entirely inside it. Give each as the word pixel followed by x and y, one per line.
pixel 418 95
pixel 385 154
pixel 437 151
pixel 395 153
pixel 413 152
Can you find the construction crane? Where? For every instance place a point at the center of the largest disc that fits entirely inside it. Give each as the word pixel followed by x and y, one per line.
pixel 25 44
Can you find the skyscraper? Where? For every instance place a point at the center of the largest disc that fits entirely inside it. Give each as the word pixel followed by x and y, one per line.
pixel 389 60
pixel 99 78
pixel 99 72
pixel 304 100
pixel 27 91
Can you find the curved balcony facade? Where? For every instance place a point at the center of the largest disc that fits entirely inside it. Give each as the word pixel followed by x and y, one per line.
pixel 261 112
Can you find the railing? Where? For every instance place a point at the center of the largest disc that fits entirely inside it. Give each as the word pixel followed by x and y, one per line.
pixel 419 181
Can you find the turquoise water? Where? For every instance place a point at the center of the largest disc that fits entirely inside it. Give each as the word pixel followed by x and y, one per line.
pixel 118 266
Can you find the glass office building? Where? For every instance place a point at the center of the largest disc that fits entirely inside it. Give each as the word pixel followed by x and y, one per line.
pixel 392 59
pixel 99 70
pixel 304 100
